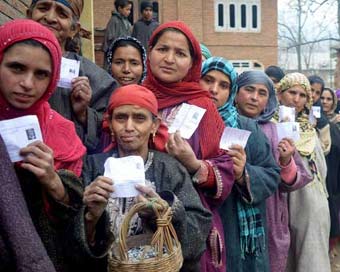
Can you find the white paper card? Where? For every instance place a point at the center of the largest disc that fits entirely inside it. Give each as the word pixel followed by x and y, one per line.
pixel 18 133
pixel 316 110
pixel 288 130
pixel 125 172
pixel 286 114
pixel 187 120
pixel 311 118
pixel 69 70
pixel 232 136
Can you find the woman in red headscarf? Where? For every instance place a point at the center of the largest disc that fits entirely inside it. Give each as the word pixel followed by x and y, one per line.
pixel 29 69
pixel 174 68
pixel 133 121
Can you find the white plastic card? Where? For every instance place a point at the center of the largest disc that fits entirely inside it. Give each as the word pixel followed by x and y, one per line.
pixel 288 130
pixel 232 136
pixel 69 70
pixel 125 172
pixel 286 114
pixel 187 120
pixel 316 110
pixel 18 133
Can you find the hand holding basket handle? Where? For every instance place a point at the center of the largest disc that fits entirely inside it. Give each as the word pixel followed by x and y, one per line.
pixel 165 237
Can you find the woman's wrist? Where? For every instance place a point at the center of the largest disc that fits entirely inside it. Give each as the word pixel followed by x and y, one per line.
pixel 57 190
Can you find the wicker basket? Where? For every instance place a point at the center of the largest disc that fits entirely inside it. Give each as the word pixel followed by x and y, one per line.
pixel 164 237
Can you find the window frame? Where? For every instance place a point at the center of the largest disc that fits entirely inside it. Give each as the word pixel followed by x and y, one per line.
pixel 238 18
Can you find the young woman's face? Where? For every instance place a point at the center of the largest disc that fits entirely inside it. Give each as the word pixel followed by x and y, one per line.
pixel 327 101
pixel 295 96
pixel 125 11
pixel 25 73
pixel 127 65
pixel 132 126
pixel 316 91
pixel 252 99
pixel 55 16
pixel 218 84
pixel 170 59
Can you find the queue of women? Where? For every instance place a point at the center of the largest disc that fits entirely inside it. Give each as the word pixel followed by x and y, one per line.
pixel 272 205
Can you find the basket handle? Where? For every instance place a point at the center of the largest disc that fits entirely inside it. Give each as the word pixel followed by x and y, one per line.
pixel 163 214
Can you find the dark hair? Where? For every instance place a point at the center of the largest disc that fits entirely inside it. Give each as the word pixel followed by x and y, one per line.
pixel 275 72
pixel 316 79
pixel 74 44
pixel 29 42
pixel 145 4
pixel 334 97
pixel 160 33
pixel 125 43
pixel 122 4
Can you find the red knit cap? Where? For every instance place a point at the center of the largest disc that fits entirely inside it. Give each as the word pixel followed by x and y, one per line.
pixel 133 95
pixel 24 29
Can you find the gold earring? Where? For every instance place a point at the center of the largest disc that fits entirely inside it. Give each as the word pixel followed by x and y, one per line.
pixel 153 137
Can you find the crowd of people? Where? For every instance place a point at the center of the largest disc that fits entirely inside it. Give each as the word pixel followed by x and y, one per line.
pixel 271 205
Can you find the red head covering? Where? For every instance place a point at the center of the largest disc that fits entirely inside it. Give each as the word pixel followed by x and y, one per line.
pixel 136 95
pixel 133 95
pixel 20 30
pixel 189 91
pixel 57 132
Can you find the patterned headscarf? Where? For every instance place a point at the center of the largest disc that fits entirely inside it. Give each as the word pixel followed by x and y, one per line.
pixel 293 79
pixel 205 51
pixel 75 5
pixel 307 143
pixel 116 44
pixel 259 77
pixel 228 112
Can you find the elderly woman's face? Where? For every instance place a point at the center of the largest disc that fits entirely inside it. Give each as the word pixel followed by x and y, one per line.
pixel 295 96
pixel 56 17
pixel 132 126
pixel 170 59
pixel 252 99
pixel 327 101
pixel 25 73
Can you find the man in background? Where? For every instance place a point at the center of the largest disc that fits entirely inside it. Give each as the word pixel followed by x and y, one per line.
pixel 143 28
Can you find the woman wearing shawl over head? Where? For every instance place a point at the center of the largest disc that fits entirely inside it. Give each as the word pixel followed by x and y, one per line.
pixel 133 120
pixel 246 245
pixel 29 69
pixel 256 99
pixel 85 101
pixel 174 67
pixel 329 104
pixel 309 218
pixel 126 61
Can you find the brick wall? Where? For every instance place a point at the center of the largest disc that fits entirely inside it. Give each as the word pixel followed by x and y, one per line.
pixel 102 10
pixel 10 9
pixel 199 15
